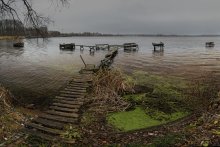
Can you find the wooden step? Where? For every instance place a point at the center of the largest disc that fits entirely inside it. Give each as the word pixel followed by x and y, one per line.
pixel 39 134
pixel 64 114
pixel 78 85
pixel 47 136
pixel 44 129
pixel 63 109
pixel 49 123
pixel 69 99
pixel 75 90
pixel 81 80
pixel 68 102
pixel 78 81
pixel 71 95
pixel 74 93
pixel 59 118
pixel 86 72
pixel 67 105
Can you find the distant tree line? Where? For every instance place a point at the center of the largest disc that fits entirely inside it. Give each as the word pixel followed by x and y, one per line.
pixel 10 27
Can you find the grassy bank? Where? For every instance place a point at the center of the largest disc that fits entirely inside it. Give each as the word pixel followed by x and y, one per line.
pixel 156 100
pixel 10 37
pixel 12 118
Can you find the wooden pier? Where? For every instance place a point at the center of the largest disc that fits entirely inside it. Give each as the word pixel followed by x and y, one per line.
pixel 102 46
pixel 70 46
pixel 64 112
pixel 130 46
pixel 93 48
pixel 158 45
pixel 210 44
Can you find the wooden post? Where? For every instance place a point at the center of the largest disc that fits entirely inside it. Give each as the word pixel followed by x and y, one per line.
pixel 83 60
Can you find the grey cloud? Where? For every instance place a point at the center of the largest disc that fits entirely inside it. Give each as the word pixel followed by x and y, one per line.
pixel 136 16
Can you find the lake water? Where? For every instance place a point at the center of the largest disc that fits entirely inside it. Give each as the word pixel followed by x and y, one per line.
pixel 38 70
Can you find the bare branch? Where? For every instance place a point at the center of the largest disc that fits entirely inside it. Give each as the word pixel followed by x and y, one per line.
pixel 9 10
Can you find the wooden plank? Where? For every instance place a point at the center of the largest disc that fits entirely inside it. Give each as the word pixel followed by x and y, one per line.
pixel 71 95
pixel 69 99
pixel 64 114
pixel 59 118
pixel 63 109
pixel 68 102
pixel 49 123
pixel 77 87
pixel 39 134
pixel 79 99
pixel 67 105
pixel 79 81
pixel 76 90
pixel 85 80
pixel 47 136
pixel 44 129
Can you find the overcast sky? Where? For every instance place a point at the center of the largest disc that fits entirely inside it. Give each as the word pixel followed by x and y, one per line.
pixel 135 16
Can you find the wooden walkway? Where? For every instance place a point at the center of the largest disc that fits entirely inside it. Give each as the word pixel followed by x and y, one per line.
pixel 63 112
pixel 65 108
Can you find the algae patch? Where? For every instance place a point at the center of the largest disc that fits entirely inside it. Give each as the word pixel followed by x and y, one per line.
pixel 139 119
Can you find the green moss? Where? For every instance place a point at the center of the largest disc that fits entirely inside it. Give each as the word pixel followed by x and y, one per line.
pixel 138 119
pixel 144 78
pixel 166 95
pixel 164 86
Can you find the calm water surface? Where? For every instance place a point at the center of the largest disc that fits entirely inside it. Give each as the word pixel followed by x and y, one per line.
pixel 38 70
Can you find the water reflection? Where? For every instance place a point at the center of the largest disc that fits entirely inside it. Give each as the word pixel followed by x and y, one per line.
pixel 7 49
pixel 158 53
pixel 38 42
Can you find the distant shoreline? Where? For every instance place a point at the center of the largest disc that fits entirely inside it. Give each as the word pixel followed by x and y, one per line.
pixel 133 35
pixel 104 35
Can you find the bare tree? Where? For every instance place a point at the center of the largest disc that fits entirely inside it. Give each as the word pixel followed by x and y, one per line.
pixel 10 9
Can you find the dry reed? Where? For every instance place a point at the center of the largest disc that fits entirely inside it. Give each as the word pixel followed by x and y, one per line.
pixel 108 86
pixel 5 99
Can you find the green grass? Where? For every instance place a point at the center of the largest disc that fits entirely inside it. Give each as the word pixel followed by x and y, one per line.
pixel 138 119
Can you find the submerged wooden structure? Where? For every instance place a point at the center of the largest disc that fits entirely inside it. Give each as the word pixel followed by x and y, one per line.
pixel 108 60
pixel 18 44
pixel 93 48
pixel 158 45
pixel 130 46
pixel 210 44
pixel 102 46
pixel 70 46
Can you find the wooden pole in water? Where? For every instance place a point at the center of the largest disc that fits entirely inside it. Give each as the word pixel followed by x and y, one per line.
pixel 83 60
